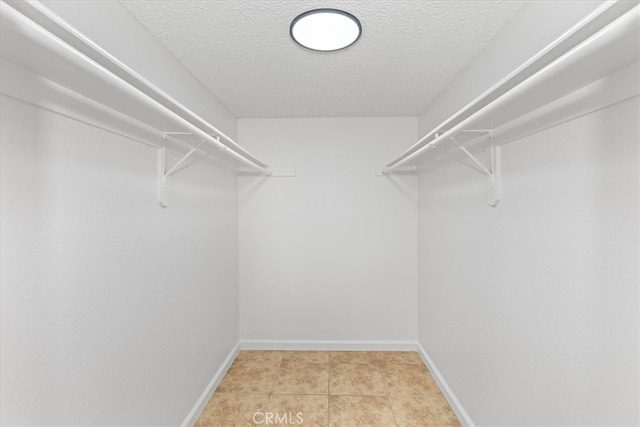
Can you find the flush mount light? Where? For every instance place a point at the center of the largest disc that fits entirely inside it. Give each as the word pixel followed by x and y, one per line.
pixel 325 30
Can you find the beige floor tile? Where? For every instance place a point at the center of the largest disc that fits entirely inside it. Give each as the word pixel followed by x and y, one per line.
pixel 231 410
pixel 302 378
pixel 250 377
pixel 355 411
pixel 423 411
pixel 355 379
pixel 306 356
pixel 303 410
pixel 406 380
pixel 352 357
pixel 259 356
pixel 399 357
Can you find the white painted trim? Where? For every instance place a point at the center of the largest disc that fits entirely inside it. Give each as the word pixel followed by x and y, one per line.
pixel 197 409
pixel 328 345
pixel 444 388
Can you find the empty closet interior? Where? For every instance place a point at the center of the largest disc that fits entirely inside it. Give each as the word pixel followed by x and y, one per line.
pixel 182 181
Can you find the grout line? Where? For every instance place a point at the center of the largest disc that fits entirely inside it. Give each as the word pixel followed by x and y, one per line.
pixel 277 376
pixel 328 388
pixel 329 374
pixel 303 395
pixel 388 396
pixel 358 395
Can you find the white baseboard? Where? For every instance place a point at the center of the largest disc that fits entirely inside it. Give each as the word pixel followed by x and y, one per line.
pixel 197 409
pixel 328 345
pixel 444 388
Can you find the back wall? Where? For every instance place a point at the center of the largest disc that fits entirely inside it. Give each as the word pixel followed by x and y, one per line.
pixel 329 254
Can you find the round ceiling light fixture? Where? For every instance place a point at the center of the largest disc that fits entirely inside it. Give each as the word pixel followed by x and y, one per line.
pixel 325 30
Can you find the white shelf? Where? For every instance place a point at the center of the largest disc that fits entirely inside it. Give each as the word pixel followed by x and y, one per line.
pixel 36 39
pixel 64 64
pixel 561 81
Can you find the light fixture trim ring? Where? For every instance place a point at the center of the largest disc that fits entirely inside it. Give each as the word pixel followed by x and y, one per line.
pixel 310 12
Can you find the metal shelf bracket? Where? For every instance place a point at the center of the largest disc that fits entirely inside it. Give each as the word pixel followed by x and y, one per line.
pixel 492 173
pixel 165 173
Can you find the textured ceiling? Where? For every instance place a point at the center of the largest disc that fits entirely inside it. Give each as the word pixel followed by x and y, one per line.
pixel 242 52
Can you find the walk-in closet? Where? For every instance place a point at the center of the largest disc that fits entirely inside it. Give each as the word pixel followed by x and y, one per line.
pixel 320 213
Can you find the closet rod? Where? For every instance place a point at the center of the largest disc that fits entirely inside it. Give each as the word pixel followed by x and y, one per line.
pixel 622 25
pixel 47 29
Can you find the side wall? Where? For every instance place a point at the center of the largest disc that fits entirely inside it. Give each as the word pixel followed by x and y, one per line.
pixel 114 311
pixel 330 254
pixel 529 310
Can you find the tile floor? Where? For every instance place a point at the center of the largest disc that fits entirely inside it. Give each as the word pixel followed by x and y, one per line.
pixel 326 388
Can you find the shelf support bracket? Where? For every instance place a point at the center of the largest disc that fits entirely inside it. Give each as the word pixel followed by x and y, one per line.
pixel 164 175
pixel 492 173
pixel 163 179
pixel 494 181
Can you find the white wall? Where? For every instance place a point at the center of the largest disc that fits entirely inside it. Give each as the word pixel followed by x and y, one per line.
pixel 330 254
pixel 530 310
pixel 113 310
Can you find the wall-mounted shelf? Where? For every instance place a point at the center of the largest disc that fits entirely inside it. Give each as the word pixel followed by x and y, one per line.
pixel 37 39
pixel 604 42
